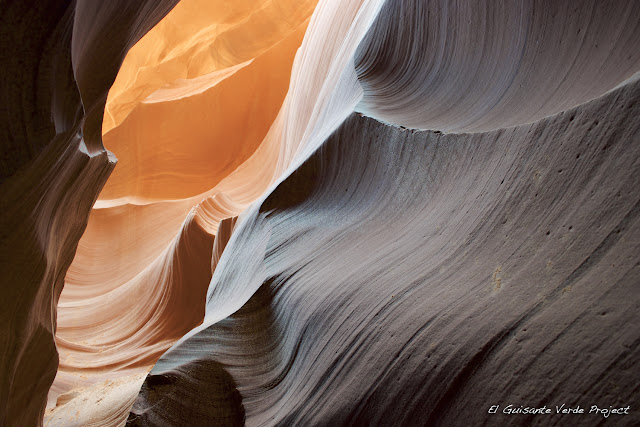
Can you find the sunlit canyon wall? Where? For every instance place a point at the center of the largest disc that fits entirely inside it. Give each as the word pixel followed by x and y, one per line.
pixel 394 212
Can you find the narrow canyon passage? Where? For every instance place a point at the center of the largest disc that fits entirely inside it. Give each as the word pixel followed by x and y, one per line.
pixel 279 212
pixel 176 118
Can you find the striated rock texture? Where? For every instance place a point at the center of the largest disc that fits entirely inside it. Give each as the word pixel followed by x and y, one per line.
pixel 407 277
pixel 369 212
pixel 483 66
pixel 450 272
pixel 58 61
pixel 192 102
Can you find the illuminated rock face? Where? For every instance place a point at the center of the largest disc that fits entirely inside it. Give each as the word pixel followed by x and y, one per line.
pixel 408 277
pixel 450 273
pixel 197 95
pixel 308 264
pixel 192 102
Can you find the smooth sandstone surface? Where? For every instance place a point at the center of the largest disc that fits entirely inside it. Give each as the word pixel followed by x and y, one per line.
pixel 404 277
pixel 59 60
pixel 224 83
pixel 149 238
pixel 378 212
pixel 483 66
pixel 200 37
pixel 508 272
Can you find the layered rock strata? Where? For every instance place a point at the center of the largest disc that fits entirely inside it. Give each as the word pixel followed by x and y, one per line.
pixel 177 116
pixel 59 61
pixel 334 261
pixel 450 272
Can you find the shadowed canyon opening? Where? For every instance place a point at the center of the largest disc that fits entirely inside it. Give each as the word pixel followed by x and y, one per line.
pixel 360 212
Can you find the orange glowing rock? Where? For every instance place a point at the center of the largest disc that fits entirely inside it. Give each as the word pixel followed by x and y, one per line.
pixel 193 101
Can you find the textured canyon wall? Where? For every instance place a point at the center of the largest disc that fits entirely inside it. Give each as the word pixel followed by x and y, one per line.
pixel 59 60
pixel 480 66
pixel 193 100
pixel 404 277
pixel 450 272
pixel 281 210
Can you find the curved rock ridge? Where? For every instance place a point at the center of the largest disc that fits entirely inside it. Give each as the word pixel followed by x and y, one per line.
pixel 98 344
pixel 177 279
pixel 189 118
pixel 278 240
pixel 186 136
pixel 487 65
pixel 58 61
pixel 449 272
pixel 200 37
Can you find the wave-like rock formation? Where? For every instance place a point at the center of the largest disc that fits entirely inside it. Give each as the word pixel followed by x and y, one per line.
pixel 450 272
pixel 58 61
pixel 393 212
pixel 408 277
pixel 484 66
pixel 177 118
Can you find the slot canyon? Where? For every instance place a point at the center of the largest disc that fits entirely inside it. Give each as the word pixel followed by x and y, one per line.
pixel 320 212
